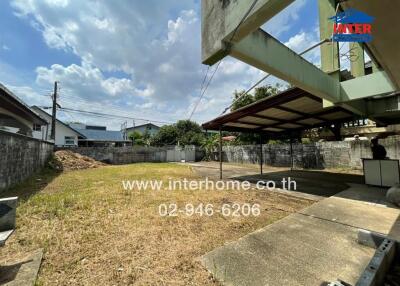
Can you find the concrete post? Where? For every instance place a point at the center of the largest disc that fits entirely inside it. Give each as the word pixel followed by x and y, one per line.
pixel 261 155
pixel 329 51
pixel 357 60
pixel 291 153
pixel 220 153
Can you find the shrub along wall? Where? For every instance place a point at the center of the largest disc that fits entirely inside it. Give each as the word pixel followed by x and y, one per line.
pixel 20 157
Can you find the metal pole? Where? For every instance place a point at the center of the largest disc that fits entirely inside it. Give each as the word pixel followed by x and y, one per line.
pixel 220 153
pixel 261 155
pixel 291 153
pixel 53 117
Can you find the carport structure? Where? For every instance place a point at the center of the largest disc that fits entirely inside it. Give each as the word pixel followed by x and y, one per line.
pixel 324 96
pixel 235 28
pixel 283 115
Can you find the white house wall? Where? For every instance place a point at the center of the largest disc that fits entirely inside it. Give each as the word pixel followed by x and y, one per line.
pixel 61 130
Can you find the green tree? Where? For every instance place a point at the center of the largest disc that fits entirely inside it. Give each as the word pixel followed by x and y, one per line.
pixel 166 135
pixel 146 137
pixel 137 138
pixel 265 91
pixel 189 133
pixel 184 132
pixel 240 100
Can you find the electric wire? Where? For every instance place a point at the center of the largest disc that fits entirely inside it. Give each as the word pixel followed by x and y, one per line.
pixel 219 62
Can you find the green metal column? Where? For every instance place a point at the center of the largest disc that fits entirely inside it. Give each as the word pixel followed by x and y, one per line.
pixel 261 154
pixel 220 153
pixel 374 66
pixel 329 51
pixel 357 60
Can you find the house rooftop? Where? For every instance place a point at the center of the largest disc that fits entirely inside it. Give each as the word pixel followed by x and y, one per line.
pixel 37 109
pixel 141 125
pixel 102 135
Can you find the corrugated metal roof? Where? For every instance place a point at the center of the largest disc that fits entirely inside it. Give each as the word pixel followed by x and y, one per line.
pixel 102 135
pixel 293 109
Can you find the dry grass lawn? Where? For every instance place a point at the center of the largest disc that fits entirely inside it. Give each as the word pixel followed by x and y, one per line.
pixel 95 233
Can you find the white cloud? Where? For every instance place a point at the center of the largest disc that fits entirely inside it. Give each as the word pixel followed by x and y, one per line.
pixel 89 82
pixel 303 41
pixel 153 47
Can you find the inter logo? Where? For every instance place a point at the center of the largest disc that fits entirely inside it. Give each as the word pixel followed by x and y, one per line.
pixel 352 26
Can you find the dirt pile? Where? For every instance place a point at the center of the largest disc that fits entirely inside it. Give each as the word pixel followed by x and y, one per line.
pixel 67 160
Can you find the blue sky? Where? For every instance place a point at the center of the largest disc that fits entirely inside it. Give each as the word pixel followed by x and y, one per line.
pixel 136 58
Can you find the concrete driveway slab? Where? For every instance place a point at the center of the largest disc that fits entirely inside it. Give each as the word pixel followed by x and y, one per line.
pixel 312 247
pixel 297 250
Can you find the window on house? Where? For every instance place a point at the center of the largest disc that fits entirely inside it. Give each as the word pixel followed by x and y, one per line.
pixel 37 127
pixel 69 140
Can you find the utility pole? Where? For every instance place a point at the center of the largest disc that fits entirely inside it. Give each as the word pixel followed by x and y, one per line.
pixel 53 118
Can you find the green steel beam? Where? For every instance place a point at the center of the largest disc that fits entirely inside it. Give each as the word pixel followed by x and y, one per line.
pixel 374 67
pixel 377 83
pixel 263 11
pixel 221 19
pixel 222 35
pixel 264 52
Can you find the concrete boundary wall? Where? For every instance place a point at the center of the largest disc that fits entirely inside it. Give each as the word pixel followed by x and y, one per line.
pixel 321 155
pixel 20 157
pixel 138 154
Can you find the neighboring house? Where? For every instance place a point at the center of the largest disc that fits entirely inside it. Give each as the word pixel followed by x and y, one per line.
pixel 16 116
pixel 65 135
pixel 99 136
pixel 150 127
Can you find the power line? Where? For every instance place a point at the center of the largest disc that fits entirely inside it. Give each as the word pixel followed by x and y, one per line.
pixel 201 91
pixel 219 62
pixel 204 79
pixel 72 100
pixel 100 114
pixel 205 89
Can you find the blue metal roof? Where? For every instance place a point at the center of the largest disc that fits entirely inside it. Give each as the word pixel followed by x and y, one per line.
pixel 102 135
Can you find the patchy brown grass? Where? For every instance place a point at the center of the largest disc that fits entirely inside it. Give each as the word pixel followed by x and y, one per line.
pixel 96 233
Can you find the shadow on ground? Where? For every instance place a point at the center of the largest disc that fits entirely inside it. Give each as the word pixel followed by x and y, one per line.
pixel 318 183
pixel 32 185
pixel 9 272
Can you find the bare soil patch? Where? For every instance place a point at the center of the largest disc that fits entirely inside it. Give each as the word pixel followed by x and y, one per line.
pixel 67 160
